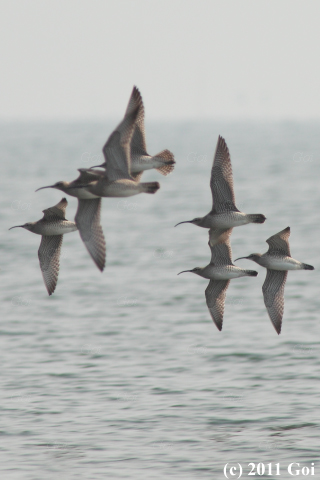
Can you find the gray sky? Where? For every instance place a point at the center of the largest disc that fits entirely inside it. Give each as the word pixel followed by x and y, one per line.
pixel 190 58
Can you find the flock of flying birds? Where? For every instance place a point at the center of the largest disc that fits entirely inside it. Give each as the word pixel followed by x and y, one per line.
pixel 223 217
pixel 126 158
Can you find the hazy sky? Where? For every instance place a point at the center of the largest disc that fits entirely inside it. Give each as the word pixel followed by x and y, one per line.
pixel 190 58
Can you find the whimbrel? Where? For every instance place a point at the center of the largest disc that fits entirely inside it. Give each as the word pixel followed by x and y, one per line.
pixel 140 159
pixel 52 226
pixel 88 214
pixel 116 180
pixel 219 271
pixel 224 213
pixel 277 260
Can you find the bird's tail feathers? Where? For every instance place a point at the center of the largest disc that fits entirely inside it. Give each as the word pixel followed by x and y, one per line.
pixel 251 273
pixel 150 187
pixel 166 160
pixel 257 217
pixel 307 267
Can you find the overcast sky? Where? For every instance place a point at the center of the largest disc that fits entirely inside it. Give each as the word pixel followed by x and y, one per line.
pixel 191 59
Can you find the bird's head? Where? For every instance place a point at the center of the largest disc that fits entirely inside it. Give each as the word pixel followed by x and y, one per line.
pixel 58 185
pixel 28 226
pixel 195 221
pixel 195 270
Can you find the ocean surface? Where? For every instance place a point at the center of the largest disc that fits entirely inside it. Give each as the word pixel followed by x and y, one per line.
pixel 122 374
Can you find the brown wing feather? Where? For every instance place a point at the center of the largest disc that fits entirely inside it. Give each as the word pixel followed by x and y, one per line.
pixel 221 181
pixel 88 175
pixel 88 222
pixel 138 142
pixel 117 149
pixel 221 253
pixel 57 211
pixel 219 235
pixel 215 296
pixel 279 243
pixel 49 258
pixel 273 294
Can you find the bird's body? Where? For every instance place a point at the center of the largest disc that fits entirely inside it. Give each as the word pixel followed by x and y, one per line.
pixel 95 184
pixel 219 271
pixel 72 188
pixel 224 213
pixel 224 220
pixel 277 260
pixel 52 227
pixel 120 188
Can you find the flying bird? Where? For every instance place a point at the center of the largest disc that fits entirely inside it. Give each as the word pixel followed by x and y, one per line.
pixel 219 271
pixel 277 260
pixel 88 214
pixel 224 213
pixel 116 180
pixel 52 226
pixel 140 159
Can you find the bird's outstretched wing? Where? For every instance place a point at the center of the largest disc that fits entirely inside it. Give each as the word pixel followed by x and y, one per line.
pixel 221 182
pixel 273 294
pixel 221 253
pixel 117 149
pixel 49 258
pixel 88 222
pixel 215 296
pixel 88 175
pixel 219 235
pixel 58 211
pixel 138 142
pixel 279 243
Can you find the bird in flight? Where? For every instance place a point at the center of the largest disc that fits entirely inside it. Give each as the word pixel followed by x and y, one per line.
pixel 277 260
pixel 52 226
pixel 224 213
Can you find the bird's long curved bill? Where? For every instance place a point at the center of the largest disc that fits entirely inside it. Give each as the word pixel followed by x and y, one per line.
pixel 184 271
pixel 41 188
pixel 102 165
pixel 240 258
pixel 188 221
pixel 17 226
